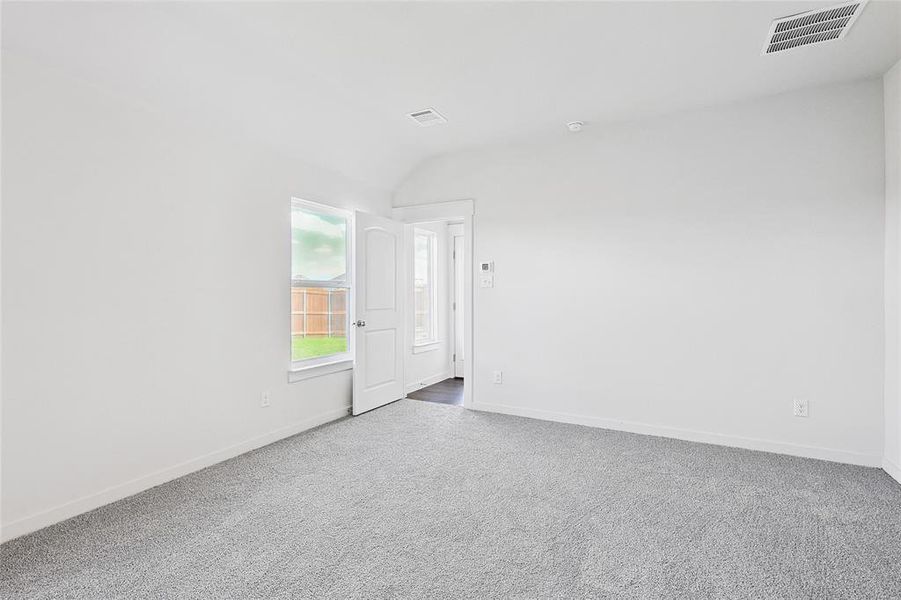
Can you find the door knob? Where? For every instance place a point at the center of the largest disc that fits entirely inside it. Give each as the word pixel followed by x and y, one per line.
pixel 360 323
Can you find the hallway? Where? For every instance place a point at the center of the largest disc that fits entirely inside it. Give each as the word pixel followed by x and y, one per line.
pixel 449 391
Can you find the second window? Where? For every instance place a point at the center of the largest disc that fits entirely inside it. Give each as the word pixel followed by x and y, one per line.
pixel 424 286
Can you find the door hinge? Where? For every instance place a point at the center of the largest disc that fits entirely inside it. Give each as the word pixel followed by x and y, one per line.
pixel 455 358
pixel 453 254
pixel 455 306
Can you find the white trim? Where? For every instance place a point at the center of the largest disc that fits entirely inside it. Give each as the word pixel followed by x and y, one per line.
pixel 305 364
pixel 436 211
pixel 427 347
pixel 892 469
pixel 454 211
pixel 315 283
pixel 842 456
pixel 295 375
pixel 327 209
pixel 417 385
pixel 129 488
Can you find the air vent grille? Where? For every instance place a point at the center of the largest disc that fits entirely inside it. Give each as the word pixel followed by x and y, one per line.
pixel 812 27
pixel 427 117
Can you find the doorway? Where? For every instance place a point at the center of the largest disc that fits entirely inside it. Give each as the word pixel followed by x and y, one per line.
pixel 435 363
pixel 457 213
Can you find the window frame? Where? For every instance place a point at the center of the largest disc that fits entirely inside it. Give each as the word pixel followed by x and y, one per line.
pixel 423 344
pixel 321 365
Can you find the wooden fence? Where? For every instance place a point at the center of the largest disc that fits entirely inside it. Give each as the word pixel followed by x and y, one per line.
pixel 318 312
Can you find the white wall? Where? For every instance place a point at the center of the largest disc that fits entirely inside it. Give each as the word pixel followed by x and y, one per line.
pixel 424 368
pixel 687 276
pixel 145 297
pixel 892 103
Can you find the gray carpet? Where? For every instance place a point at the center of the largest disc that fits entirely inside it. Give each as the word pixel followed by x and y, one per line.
pixel 421 500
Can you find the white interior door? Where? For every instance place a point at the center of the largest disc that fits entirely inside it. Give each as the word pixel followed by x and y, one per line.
pixel 459 304
pixel 379 299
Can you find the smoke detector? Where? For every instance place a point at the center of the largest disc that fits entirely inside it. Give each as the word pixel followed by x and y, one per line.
pixel 427 117
pixel 812 27
pixel 575 126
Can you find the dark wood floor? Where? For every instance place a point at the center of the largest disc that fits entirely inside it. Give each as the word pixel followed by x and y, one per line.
pixel 449 391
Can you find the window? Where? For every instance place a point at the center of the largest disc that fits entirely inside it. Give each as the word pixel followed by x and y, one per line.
pixel 320 284
pixel 425 296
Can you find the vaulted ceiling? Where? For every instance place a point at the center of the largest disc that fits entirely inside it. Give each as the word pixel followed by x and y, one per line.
pixel 331 83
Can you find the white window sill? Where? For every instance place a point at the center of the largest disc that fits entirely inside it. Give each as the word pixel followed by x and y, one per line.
pixel 295 375
pixel 426 347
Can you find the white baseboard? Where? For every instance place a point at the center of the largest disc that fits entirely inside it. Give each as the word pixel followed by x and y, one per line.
pixel 111 494
pixel 416 385
pixel 892 469
pixel 842 456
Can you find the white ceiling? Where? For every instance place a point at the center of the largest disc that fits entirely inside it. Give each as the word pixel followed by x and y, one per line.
pixel 330 83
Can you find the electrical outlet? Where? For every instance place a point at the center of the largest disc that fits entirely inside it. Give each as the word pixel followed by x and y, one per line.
pixel 800 407
pixel 498 377
pixel 264 400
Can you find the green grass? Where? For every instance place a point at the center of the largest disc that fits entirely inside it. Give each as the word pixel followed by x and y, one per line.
pixel 311 347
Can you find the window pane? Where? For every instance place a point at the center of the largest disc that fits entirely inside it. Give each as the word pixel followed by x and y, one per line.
pixel 422 288
pixel 421 269
pixel 318 322
pixel 318 246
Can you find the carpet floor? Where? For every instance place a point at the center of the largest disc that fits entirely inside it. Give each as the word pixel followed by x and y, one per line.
pixel 422 500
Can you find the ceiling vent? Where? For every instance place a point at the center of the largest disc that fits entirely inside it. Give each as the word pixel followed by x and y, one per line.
pixel 427 117
pixel 812 27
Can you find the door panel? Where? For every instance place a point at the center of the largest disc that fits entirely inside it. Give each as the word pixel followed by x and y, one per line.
pixel 381 271
pixel 378 368
pixel 380 357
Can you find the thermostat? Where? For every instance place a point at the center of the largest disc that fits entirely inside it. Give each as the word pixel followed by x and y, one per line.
pixel 486 267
